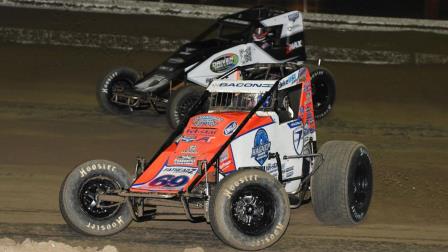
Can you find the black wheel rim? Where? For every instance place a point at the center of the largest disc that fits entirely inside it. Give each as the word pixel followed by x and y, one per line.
pixel 184 107
pixel 253 210
pixel 361 187
pixel 321 96
pixel 88 196
pixel 116 87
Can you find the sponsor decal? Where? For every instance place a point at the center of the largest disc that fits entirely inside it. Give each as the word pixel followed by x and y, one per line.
pixel 291 80
pixel 298 76
pixel 246 55
pixel 224 160
pixel 201 132
pixel 295 123
pixel 192 149
pixel 206 121
pixel 170 178
pixel 294 16
pixel 224 62
pixel 179 170
pixel 225 164
pixel 184 160
pixel 230 128
pixel 262 146
pixel 297 134
pixel 272 169
pixel 189 139
pixel 294 45
pixel 245 84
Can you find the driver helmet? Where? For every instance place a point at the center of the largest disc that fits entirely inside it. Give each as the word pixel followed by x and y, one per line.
pixel 260 34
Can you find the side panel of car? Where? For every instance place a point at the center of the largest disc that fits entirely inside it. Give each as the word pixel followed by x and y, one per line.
pixel 219 63
pixel 252 149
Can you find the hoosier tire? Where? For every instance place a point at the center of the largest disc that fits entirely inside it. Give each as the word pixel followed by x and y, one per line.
pixel 78 202
pixel 324 91
pixel 249 210
pixel 116 81
pixel 181 102
pixel 342 187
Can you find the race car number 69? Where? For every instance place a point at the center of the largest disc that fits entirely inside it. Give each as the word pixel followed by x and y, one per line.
pixel 170 181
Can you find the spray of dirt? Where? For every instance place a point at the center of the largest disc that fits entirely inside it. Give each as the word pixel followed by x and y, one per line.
pixel 9 245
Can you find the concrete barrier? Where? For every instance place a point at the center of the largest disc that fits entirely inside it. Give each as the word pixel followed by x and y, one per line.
pixel 312 20
pixel 160 44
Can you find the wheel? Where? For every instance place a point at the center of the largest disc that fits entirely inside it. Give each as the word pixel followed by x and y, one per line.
pixel 324 92
pixel 342 187
pixel 78 198
pixel 249 210
pixel 117 81
pixel 181 102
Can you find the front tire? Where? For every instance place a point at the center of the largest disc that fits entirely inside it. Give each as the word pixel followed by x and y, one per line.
pixel 116 81
pixel 249 210
pixel 78 198
pixel 181 102
pixel 342 187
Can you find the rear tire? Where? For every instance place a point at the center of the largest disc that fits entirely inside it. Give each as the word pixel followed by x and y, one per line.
pixel 181 102
pixel 78 202
pixel 324 91
pixel 249 210
pixel 118 80
pixel 341 189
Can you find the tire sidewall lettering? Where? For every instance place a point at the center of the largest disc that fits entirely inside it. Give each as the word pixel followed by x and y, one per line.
pixel 116 223
pixel 108 81
pixel 269 237
pixel 230 190
pixel 96 166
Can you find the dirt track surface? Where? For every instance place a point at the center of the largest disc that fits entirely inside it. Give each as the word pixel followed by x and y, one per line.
pixel 50 122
